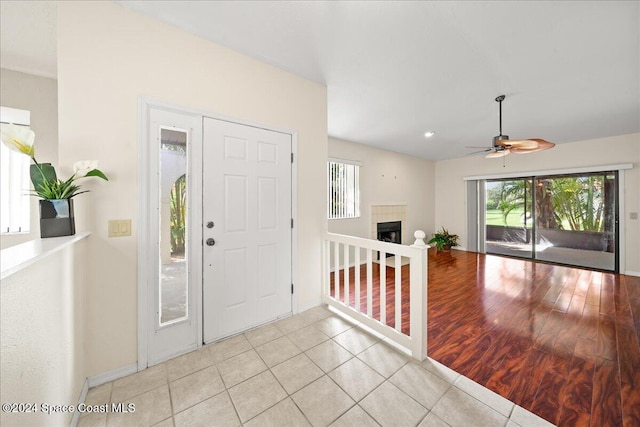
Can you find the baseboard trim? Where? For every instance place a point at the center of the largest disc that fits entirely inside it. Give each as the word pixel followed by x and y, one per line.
pixel 112 375
pixel 81 399
pixel 632 273
pixel 171 355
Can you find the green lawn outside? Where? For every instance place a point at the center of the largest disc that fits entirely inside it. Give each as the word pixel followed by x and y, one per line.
pixel 494 217
pixel 514 219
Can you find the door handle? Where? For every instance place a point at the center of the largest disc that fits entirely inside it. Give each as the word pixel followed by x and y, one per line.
pixel 210 242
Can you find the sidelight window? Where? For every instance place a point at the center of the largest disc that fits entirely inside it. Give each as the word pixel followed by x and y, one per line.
pixel 174 289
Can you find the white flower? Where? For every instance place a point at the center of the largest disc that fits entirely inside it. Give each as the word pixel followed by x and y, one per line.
pixel 18 138
pixel 83 167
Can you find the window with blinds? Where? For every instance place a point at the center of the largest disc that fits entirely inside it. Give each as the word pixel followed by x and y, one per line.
pixel 343 189
pixel 14 179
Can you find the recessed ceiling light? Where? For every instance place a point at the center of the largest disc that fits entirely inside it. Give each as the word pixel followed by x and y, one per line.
pixel 429 134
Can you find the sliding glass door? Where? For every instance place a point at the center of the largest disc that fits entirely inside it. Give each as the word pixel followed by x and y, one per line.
pixel 565 219
pixel 509 217
pixel 577 220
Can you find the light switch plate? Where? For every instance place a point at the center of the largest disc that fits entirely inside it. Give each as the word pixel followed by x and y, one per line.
pixel 119 227
pixel 633 215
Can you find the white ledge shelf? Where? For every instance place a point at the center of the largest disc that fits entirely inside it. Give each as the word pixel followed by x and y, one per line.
pixel 19 257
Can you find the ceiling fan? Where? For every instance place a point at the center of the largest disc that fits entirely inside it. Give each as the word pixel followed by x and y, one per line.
pixel 502 145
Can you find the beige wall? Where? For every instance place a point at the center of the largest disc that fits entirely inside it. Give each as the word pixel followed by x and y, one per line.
pixel 108 56
pixel 450 187
pixel 42 357
pixel 40 96
pixel 388 178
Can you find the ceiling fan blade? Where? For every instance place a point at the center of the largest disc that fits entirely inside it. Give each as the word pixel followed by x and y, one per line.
pixel 526 144
pixel 542 145
pixel 496 154
pixel 486 150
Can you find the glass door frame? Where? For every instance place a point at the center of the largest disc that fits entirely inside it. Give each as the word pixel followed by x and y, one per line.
pixel 534 178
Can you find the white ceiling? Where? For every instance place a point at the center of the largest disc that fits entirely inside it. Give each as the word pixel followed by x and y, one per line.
pixel 28 37
pixel 393 70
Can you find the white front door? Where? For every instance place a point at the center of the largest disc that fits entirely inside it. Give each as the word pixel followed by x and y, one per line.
pixel 247 223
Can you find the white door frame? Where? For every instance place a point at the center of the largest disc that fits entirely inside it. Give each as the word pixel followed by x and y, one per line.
pixel 146 249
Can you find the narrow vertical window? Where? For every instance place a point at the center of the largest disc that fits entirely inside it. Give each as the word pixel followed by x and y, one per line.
pixel 343 189
pixel 15 216
pixel 173 227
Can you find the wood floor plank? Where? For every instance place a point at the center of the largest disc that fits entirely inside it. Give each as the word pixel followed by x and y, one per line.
pixel 548 401
pixel 632 287
pixel 629 367
pixel 606 345
pixel 577 394
pixel 524 389
pixel 606 407
pixel 510 368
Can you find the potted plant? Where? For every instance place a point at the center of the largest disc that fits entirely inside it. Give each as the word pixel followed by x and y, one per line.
pixel 444 240
pixel 56 204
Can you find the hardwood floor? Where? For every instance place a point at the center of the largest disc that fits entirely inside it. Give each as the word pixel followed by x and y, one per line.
pixel 561 342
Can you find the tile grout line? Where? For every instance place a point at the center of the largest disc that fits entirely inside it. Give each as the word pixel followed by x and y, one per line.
pixel 324 374
pixel 289 396
pixel 355 356
pixel 235 410
pixel 269 369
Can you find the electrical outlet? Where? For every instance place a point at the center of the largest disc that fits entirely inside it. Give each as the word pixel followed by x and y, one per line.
pixel 119 227
pixel 633 215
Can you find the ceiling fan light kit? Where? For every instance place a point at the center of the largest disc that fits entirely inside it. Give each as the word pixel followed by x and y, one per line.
pixel 502 145
pixel 496 154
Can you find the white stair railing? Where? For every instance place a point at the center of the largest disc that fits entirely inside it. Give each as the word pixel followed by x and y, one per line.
pixel 353 295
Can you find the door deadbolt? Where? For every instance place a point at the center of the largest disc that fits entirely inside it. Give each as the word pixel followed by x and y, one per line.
pixel 210 224
pixel 210 242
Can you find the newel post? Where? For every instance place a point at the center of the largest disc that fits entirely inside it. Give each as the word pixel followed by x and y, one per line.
pixel 418 297
pixel 419 235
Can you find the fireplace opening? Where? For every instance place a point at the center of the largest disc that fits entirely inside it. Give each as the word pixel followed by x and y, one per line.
pixel 390 232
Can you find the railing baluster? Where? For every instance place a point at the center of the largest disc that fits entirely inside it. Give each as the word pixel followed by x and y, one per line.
pixel 398 289
pixel 369 283
pixel 357 277
pixel 325 269
pixel 383 287
pixel 336 271
pixel 346 274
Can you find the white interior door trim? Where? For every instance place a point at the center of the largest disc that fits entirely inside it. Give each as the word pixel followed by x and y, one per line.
pixel 145 104
pixel 143 238
pixel 148 186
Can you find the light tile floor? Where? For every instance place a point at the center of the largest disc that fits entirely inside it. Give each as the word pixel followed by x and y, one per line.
pixel 310 369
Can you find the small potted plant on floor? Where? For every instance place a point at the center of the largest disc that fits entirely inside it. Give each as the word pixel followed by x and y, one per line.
pixel 444 240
